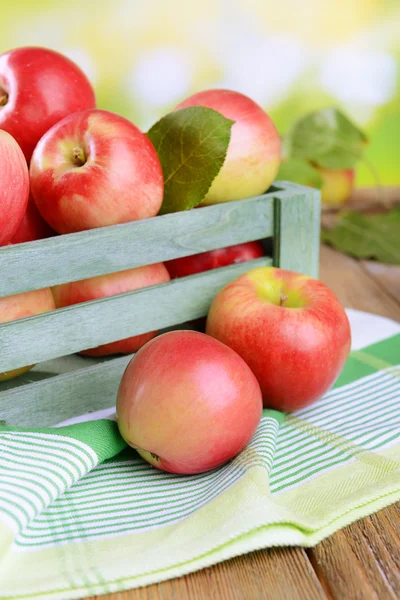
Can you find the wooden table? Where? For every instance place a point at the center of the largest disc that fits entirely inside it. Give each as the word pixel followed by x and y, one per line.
pixel 359 562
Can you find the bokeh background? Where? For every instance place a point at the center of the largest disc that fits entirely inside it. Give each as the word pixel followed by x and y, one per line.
pixel 292 56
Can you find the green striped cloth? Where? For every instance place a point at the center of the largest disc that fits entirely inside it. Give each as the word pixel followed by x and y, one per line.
pixel 81 514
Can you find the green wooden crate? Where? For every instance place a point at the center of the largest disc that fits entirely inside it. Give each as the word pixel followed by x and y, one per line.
pixel 61 388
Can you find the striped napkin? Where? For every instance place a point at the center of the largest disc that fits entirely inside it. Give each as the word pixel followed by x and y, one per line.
pixel 81 514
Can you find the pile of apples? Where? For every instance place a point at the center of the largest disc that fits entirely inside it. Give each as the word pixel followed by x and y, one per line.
pixel 188 401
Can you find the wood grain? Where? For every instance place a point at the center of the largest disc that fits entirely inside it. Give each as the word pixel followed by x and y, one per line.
pixel 296 233
pixel 388 276
pixel 78 392
pixel 276 574
pixel 354 287
pixel 67 330
pixel 342 574
pixel 77 256
pixel 373 552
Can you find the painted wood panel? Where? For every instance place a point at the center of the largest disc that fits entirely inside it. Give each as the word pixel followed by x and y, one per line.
pixel 65 258
pixel 90 324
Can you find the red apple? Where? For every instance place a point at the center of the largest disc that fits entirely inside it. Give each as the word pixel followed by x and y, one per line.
pixel 20 306
pixel 188 403
pixel 214 259
pixel 39 87
pixel 32 227
pixel 14 189
pixel 93 169
pixel 253 157
pixel 110 285
pixel 290 329
pixel 337 185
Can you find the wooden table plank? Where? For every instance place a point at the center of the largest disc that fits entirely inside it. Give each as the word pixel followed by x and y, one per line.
pixel 387 275
pixel 371 547
pixel 278 573
pixel 361 561
pixel 354 287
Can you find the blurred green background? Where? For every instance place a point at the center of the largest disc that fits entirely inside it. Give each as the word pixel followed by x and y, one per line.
pixel 292 56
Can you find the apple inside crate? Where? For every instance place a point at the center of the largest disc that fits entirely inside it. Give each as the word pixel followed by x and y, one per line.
pixel 63 384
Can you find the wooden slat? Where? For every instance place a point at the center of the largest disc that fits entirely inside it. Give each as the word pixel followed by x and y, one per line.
pixel 77 256
pixel 342 574
pixel 58 398
pixel 373 553
pixel 275 574
pixel 90 324
pixel 296 232
pixel 388 276
pixel 357 563
pixel 354 287
pixel 387 526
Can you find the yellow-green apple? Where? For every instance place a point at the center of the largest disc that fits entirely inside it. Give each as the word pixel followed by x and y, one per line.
pixel 93 169
pixel 14 189
pixel 39 87
pixel 110 285
pixel 20 306
pixel 253 156
pixel 188 403
pixel 290 329
pixel 337 185
pixel 214 259
pixel 32 227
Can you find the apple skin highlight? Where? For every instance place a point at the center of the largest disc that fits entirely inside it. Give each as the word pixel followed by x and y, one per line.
pixel 188 403
pixel 253 157
pixel 290 329
pixel 14 189
pixel 38 88
pixel 94 169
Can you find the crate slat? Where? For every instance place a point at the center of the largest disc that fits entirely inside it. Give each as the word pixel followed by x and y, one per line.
pixel 67 330
pixel 50 401
pixel 52 261
pixel 297 231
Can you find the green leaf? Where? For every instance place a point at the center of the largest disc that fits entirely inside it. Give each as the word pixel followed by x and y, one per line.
pixel 299 171
pixel 367 236
pixel 326 137
pixel 191 144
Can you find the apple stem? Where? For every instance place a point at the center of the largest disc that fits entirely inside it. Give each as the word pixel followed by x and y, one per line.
pixel 3 98
pixel 79 157
pixel 282 299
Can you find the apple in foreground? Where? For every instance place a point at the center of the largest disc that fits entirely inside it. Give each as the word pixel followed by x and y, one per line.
pixel 290 329
pixel 214 259
pixel 109 285
pixel 20 306
pixel 14 189
pixel 93 169
pixel 337 185
pixel 253 156
pixel 38 88
pixel 188 403
pixel 33 226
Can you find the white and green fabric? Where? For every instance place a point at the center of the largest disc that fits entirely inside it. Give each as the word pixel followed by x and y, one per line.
pixel 81 514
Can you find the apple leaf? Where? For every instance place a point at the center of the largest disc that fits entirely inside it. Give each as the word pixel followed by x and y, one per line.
pixel 326 137
pixel 191 144
pixel 299 171
pixel 367 236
